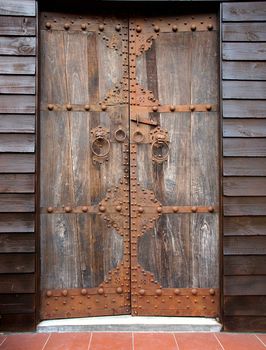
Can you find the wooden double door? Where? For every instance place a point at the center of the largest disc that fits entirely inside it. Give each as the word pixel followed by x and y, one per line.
pixel 129 202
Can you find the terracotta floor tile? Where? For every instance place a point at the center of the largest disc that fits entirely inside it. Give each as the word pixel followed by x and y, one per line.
pixel 240 342
pixel 68 341
pixel 2 338
pixel 154 341
pixel 25 341
pixel 197 341
pixel 111 341
pixel 262 338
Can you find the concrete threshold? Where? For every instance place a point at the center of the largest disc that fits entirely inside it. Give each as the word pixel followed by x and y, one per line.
pixel 127 323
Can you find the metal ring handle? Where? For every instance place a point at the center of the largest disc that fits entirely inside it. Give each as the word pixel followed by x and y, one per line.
pixel 120 135
pixel 157 144
pixel 102 140
pixel 138 136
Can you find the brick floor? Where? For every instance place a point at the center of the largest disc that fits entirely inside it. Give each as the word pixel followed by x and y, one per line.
pixel 133 341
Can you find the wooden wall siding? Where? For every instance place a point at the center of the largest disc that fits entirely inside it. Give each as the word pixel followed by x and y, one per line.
pixel 17 164
pixel 243 30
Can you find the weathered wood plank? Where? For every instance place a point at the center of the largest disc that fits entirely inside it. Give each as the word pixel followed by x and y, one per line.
pixel 17 65
pixel 17 143
pixel 245 305
pixel 244 323
pixel 245 245
pixel 244 31
pixel 253 90
pixel 244 186
pixel 14 222
pixel 17 283
pixel 17 183
pixel 17 7
pixel 17 243
pixel 17 163
pixel 245 285
pixel 17 84
pixel 244 51
pixel 249 11
pixel 244 226
pixel 244 109
pixel 244 70
pixel 244 166
pixel 17 203
pixel 244 147
pixel 244 265
pixel 21 26
pixel 18 46
pixel 17 104
pixel 14 322
pixel 17 123
pixel 17 263
pixel 244 128
pixel 17 303
pixel 244 206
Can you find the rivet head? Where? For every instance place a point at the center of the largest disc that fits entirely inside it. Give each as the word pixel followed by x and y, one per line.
pixel 138 29
pixel 158 292
pixel 212 291
pixel 49 293
pixel 155 108
pixel 210 27
pixel 174 28
pixel 156 29
pixel 193 27
pixel 48 25
pixel 210 209
pixel 50 107
pixel 101 27
pixel 83 26
pixel 175 209
pixel 208 107
pixel 194 209
pixel 104 107
pixel 192 108
pixel 83 291
pixel 140 210
pixel 142 292
pixel 102 208
pixel 159 209
pixel 177 291
pixel 64 292
pixel 119 290
pixel 118 27
pixel 50 209
pixel 67 26
pixel 84 209
pixel 68 209
pixel 68 107
pixel 118 208
pixel 100 291
pixel 172 108
pixel 87 107
pixel 194 291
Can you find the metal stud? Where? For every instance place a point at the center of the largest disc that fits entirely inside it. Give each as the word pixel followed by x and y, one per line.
pixel 194 291
pixel 118 27
pixel 83 26
pixel 212 291
pixel 209 107
pixel 138 29
pixel 50 107
pixel 101 27
pixel 68 209
pixel 140 210
pixel 210 209
pixel 100 291
pixel 69 107
pixel 67 26
pixel 142 292
pixel 193 27
pixel 194 209
pixel 104 107
pixel 210 27
pixel 64 292
pixel 174 28
pixel 172 108
pixel 119 290
pixel 118 208
pixel 156 29
pixel 84 209
pixel 102 208
pixel 158 292
pixel 175 209
pixel 87 107
pixel 192 108
pixel 159 209
pixel 155 108
pixel 48 25
pixel 177 291
pixel 49 293
pixel 50 209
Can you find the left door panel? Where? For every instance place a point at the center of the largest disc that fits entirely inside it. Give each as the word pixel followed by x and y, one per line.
pixel 84 189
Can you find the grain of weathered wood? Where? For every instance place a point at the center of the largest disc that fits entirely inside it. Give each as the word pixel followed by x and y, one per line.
pixel 245 285
pixel 245 265
pixel 17 183
pixel 244 226
pixel 17 163
pixel 245 305
pixel 14 222
pixel 17 203
pixel 249 11
pixel 17 243
pixel 244 186
pixel 17 303
pixel 244 109
pixel 244 323
pixel 19 46
pixel 17 143
pixel 244 128
pixel 244 31
pixel 244 51
pixel 17 7
pixel 17 283
pixel 253 90
pixel 245 147
pixel 17 84
pixel 20 321
pixel 21 26
pixel 244 245
pixel 244 206
pixel 17 263
pixel 15 123
pixel 244 70
pixel 17 104
pixel 244 166
pixel 17 65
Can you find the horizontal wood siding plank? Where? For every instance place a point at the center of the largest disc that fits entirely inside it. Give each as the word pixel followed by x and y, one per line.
pixel 17 203
pixel 255 90
pixel 243 128
pixel 17 303
pixel 244 166
pixel 22 26
pixel 17 65
pixel 17 84
pixel 17 104
pixel 17 123
pixel 244 323
pixel 17 283
pixel 244 51
pixel 14 322
pixel 244 265
pixel 243 186
pixel 244 206
pixel 17 183
pixel 17 243
pixel 17 143
pixel 244 109
pixel 18 46
pixel 241 11
pixel 245 285
pixel 244 226
pixel 244 70
pixel 17 163
pixel 244 147
pixel 245 306
pixel 245 245
pixel 17 7
pixel 17 263
pixel 244 31
pixel 15 222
